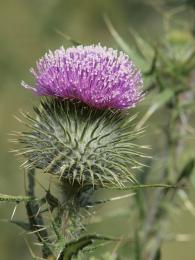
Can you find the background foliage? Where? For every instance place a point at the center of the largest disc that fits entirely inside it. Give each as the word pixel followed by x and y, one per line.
pixel 28 29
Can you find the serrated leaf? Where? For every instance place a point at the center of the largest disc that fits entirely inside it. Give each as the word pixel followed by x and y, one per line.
pixel 72 248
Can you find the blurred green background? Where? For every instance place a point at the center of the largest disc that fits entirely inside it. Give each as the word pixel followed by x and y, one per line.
pixel 28 28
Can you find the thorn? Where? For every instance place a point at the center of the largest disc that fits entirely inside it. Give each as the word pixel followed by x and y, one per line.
pixel 14 211
pixel 18 119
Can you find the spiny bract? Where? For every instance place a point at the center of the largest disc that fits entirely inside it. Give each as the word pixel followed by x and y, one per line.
pixel 74 141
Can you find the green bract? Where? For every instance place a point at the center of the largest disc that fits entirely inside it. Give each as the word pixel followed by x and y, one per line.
pixel 81 144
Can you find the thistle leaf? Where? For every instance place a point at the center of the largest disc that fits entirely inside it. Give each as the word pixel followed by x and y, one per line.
pixel 119 40
pixel 124 45
pixel 159 101
pixel 72 248
pixel 144 48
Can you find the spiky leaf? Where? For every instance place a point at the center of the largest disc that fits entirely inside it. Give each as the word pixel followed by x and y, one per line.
pixel 72 248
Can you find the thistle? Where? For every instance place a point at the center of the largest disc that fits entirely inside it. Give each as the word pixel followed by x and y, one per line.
pixel 74 136
pixel 83 132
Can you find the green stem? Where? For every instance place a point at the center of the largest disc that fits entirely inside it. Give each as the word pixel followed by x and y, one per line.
pixel 144 186
pixel 17 199
pixel 35 219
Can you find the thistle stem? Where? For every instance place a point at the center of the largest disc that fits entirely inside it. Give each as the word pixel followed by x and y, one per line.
pixel 144 186
pixel 17 199
pixel 35 219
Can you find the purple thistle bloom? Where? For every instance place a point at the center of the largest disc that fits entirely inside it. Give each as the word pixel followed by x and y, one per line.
pixel 98 76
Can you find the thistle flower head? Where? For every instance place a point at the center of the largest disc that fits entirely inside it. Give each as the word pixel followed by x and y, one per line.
pixel 98 76
pixel 81 144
